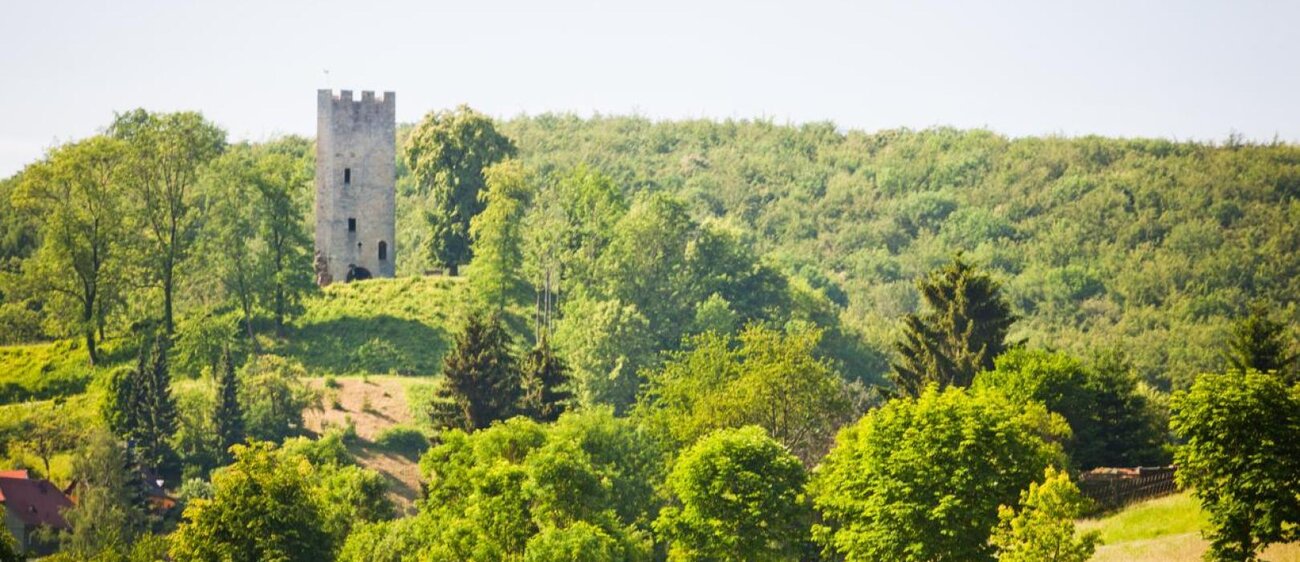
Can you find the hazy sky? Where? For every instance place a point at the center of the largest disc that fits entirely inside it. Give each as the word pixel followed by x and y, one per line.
pixel 1185 70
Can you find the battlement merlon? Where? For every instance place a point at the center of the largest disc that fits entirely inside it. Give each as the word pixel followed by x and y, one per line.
pixel 367 96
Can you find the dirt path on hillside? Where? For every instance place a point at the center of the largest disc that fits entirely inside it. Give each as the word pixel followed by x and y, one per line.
pixel 372 404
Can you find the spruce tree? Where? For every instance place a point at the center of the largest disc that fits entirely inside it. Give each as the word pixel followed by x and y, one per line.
pixel 157 416
pixel 545 383
pixel 141 408
pixel 480 377
pixel 963 330
pixel 1259 343
pixel 229 416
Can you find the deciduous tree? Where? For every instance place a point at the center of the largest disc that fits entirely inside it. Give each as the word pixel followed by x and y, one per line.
pixel 496 233
pixel 167 152
pixel 1241 457
pixel 921 478
pixel 605 343
pixel 82 258
pixel 1042 530
pixel 764 377
pixel 447 153
pixel 1112 423
pixel 106 519
pixel 739 497
pixel 272 396
pixel 262 509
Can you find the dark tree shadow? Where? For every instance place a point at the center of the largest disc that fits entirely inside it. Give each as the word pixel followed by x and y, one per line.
pixel 375 344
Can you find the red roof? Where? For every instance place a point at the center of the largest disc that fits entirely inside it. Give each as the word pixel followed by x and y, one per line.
pixel 21 473
pixel 35 502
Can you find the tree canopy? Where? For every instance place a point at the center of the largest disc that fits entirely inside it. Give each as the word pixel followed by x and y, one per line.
pixel 1240 454
pixel 922 478
pixel 962 332
pixel 447 153
pixel 739 497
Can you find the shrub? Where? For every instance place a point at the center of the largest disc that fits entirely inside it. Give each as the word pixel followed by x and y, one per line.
pixel 406 440
pixel 273 396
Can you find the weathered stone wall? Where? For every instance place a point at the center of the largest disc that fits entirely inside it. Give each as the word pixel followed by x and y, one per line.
pixel 355 179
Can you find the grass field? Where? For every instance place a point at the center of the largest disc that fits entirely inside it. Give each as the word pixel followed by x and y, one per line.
pixel 382 326
pixel 43 370
pixel 1166 529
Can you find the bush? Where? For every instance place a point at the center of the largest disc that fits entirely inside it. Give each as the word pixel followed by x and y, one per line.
pixel 1043 529
pixel 406 440
pixel 273 396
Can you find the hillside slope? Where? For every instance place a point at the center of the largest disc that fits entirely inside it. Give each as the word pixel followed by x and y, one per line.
pixel 1148 245
pixel 381 326
pixel 1166 529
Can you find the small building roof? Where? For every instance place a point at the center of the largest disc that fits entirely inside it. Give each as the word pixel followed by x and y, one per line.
pixel 21 473
pixel 35 502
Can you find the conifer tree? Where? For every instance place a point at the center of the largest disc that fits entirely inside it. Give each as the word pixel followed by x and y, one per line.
pixel 545 383
pixel 142 409
pixel 158 409
pixel 1259 343
pixel 480 377
pixel 964 329
pixel 229 415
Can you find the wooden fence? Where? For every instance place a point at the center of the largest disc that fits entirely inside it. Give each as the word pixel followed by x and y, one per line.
pixel 1113 488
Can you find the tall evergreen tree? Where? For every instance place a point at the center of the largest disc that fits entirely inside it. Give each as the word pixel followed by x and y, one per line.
pixel 158 410
pixel 1259 343
pixel 545 383
pixel 229 415
pixel 964 329
pixel 480 377
pixel 141 408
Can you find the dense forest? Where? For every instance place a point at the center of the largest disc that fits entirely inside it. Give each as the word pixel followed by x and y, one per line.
pixel 640 340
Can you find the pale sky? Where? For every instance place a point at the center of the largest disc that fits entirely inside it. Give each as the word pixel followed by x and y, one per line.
pixel 1177 69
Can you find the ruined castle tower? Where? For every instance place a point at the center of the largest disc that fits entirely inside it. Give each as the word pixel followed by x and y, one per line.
pixel 355 186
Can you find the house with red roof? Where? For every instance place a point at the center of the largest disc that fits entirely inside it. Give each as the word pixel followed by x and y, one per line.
pixel 31 504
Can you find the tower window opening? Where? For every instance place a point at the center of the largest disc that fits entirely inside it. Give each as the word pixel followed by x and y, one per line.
pixel 347 176
pixel 383 250
pixel 352 225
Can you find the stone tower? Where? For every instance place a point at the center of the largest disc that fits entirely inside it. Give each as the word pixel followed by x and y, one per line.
pixel 355 186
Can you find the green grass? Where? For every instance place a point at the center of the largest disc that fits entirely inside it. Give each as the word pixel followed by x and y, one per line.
pixel 42 371
pixel 382 326
pixel 1170 515
pixel 1166 529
